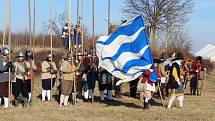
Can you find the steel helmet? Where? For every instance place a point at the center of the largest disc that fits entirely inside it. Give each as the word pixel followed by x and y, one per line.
pixel 4 51
pixel 49 55
pixel 28 53
pixel 21 54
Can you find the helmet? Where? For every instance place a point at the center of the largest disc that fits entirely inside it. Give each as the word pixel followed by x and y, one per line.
pixel 21 54
pixel 80 54
pixel 29 53
pixel 85 52
pixel 69 56
pixel 179 56
pixel 49 55
pixel 4 51
pixel 199 58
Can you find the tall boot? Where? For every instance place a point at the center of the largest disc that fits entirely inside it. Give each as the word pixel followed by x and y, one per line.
pixel 62 99
pixel 110 97
pixel 48 92
pixel 29 97
pixel 43 95
pixel 102 98
pixel 6 103
pixel 65 103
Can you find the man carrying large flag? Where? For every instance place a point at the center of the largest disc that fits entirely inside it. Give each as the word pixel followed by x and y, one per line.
pixel 126 53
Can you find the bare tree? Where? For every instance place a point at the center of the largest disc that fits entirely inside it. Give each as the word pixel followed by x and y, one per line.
pixel 178 40
pixel 158 14
pixel 58 21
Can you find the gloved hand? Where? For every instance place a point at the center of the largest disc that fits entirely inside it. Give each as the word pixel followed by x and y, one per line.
pixel 9 65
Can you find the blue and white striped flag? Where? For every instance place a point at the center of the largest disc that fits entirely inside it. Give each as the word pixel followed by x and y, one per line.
pixel 126 53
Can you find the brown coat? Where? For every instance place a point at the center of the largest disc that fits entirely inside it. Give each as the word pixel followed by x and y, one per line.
pixel 45 73
pixel 68 71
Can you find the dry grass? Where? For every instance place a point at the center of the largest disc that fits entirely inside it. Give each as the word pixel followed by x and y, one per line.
pixel 197 108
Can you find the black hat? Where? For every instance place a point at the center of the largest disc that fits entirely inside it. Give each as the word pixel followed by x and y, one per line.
pixel 179 56
pixel 199 58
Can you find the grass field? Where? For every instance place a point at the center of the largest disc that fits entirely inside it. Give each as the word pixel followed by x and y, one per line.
pixel 196 108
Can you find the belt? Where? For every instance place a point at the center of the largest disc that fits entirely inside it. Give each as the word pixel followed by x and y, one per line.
pixel 68 72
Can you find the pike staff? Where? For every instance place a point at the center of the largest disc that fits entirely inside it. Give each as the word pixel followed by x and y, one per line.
pixel 9 44
pixel 93 40
pixel 51 41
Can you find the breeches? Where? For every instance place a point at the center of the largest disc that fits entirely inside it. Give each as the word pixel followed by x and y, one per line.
pixel 66 87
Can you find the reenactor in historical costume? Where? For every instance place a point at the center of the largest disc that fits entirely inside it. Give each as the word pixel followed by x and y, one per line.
pixel 5 65
pixel 79 74
pixel 31 66
pixel 117 88
pixel 68 70
pixel 133 88
pixel 65 36
pixel 168 64
pixel 91 77
pixel 105 83
pixel 77 36
pixel 87 62
pixel 48 76
pixel 176 81
pixel 164 77
pixel 186 68
pixel 195 74
pixel 147 86
pixel 20 86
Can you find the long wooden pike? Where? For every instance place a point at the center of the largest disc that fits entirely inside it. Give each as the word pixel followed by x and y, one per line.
pixel 29 21
pixel 77 23
pixel 51 42
pixel 93 39
pixel 160 95
pixel 5 22
pixel 9 44
pixel 108 17
pixel 82 29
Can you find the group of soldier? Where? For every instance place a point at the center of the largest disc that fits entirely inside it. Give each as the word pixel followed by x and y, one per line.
pixel 173 74
pixel 73 75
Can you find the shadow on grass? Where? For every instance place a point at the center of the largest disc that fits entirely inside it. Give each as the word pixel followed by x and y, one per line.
pixel 116 103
